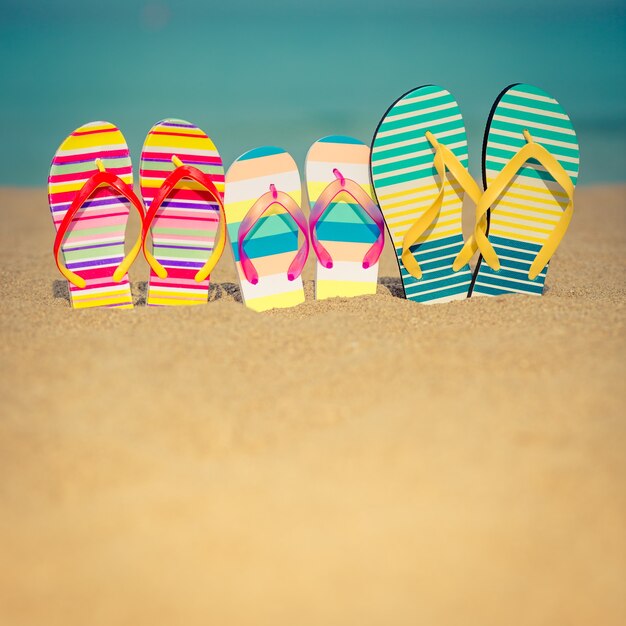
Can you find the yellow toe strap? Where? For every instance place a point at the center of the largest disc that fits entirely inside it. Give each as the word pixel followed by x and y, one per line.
pixel 444 158
pixel 129 259
pixel 208 267
pixel 479 240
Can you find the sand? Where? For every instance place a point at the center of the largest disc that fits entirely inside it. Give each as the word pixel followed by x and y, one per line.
pixel 365 461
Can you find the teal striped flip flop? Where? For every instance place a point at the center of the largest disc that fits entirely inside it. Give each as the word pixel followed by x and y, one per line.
pixel 533 207
pixel 419 196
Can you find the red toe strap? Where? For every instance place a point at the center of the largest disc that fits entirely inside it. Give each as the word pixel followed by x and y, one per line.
pixel 193 173
pixel 99 179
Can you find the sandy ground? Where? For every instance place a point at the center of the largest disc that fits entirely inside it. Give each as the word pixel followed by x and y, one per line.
pixel 370 461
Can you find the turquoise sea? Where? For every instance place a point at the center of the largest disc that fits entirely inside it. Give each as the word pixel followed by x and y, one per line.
pixel 286 73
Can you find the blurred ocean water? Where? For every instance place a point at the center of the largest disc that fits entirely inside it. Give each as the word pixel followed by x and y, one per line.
pixel 285 73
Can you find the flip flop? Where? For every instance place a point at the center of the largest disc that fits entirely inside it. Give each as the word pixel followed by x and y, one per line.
pixel 419 173
pixel 263 217
pixel 182 183
pixel 90 192
pixel 530 168
pixel 346 227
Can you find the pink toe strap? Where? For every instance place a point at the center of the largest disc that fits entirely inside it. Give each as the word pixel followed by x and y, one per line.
pixel 258 209
pixel 353 189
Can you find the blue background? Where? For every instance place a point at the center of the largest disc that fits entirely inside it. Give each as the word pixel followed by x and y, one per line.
pixel 285 73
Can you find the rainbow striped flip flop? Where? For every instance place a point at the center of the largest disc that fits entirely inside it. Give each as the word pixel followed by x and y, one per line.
pixel 182 183
pixel 419 173
pixel 346 226
pixel 90 193
pixel 530 168
pixel 263 217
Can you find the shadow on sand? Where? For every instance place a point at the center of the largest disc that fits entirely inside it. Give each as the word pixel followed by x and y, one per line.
pixel 60 290
pixel 394 285
pixel 217 291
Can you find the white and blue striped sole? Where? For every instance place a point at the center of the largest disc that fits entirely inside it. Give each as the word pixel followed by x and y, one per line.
pixel 406 184
pixel 523 217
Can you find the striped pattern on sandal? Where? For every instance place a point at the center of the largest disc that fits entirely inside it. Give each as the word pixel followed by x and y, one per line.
pixel 524 216
pixel 94 244
pixel 406 185
pixel 185 227
pixel 273 243
pixel 345 231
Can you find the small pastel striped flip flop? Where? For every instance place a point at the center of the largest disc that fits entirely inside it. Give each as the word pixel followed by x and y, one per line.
pixel 182 183
pixel 346 226
pixel 530 168
pixel 90 192
pixel 264 218
pixel 419 173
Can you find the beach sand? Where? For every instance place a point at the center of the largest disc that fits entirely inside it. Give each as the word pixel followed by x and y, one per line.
pixel 367 461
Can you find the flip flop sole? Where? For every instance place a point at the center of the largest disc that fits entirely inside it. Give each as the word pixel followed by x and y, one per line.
pixel 526 213
pixel 273 242
pixel 94 244
pixel 185 227
pixel 406 185
pixel 344 231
